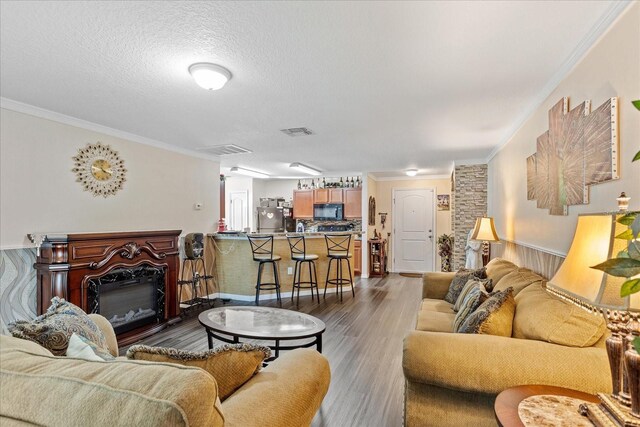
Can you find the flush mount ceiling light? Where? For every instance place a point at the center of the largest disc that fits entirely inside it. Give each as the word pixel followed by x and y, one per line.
pixel 305 169
pixel 411 172
pixel 249 172
pixel 209 76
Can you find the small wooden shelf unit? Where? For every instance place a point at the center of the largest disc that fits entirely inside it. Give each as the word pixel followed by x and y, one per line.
pixel 377 257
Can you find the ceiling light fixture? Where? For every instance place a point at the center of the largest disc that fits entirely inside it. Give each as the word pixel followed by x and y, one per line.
pixel 249 172
pixel 209 76
pixel 305 169
pixel 412 172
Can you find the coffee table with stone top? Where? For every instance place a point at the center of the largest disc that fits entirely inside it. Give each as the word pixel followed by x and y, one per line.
pixel 229 324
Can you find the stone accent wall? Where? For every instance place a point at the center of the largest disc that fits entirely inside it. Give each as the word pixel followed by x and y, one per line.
pixel 469 201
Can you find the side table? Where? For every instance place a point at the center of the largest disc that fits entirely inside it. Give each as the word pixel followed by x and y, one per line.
pixel 508 401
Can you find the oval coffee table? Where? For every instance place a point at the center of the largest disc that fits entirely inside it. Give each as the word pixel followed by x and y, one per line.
pixel 229 324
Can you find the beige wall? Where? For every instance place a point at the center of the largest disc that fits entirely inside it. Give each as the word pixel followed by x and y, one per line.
pixel 384 199
pixel 610 68
pixel 38 192
pixel 279 188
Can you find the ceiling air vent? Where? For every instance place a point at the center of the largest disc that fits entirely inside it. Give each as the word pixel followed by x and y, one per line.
pixel 297 131
pixel 222 150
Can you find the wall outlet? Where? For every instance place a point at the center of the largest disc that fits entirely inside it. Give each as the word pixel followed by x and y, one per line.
pixel 289 271
pixel 197 206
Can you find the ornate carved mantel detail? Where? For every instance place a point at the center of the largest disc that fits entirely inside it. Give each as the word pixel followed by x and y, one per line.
pixel 129 251
pixel 65 263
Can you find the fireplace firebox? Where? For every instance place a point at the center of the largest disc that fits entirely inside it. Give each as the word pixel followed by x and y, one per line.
pixel 128 277
pixel 128 297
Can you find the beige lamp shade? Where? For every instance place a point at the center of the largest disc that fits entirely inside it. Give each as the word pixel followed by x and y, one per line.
pixel 485 230
pixel 593 243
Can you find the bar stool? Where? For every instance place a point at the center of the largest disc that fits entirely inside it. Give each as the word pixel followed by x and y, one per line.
pixel 338 250
pixel 194 274
pixel 262 250
pixel 299 254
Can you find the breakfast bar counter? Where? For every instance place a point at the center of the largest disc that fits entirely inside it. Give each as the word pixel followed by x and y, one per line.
pixel 236 272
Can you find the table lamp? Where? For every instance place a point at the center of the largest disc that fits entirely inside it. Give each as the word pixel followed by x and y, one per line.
pixel 485 231
pixel 576 281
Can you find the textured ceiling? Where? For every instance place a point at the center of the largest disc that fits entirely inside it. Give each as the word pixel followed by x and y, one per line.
pixel 385 86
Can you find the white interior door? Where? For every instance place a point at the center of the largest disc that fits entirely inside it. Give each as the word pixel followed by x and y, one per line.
pixel 413 230
pixel 239 210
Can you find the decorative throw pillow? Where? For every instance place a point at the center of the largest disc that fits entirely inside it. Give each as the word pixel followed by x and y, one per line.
pixel 472 301
pixel 545 317
pixel 497 268
pixel 483 284
pixel 493 317
pixel 459 280
pixel 81 348
pixel 518 280
pixel 53 329
pixel 231 364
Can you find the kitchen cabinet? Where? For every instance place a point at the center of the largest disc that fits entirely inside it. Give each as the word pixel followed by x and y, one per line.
pixel 335 195
pixel 328 195
pixel 352 203
pixel 303 204
pixel 321 195
pixel 357 257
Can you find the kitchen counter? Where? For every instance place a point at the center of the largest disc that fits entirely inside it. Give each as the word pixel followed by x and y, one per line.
pixel 236 271
pixel 309 235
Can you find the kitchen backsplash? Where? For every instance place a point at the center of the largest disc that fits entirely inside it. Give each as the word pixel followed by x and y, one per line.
pixel 312 226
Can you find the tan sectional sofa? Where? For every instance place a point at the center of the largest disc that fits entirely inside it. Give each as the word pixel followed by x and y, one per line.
pixel 452 379
pixel 38 388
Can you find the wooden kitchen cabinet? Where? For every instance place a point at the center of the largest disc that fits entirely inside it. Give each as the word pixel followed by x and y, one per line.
pixel 303 204
pixel 328 195
pixel 357 257
pixel 335 195
pixel 321 195
pixel 352 203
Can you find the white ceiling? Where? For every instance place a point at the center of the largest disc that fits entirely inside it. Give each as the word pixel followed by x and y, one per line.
pixel 385 86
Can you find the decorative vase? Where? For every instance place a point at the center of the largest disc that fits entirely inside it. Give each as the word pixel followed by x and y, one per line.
pixel 445 264
pixel 445 244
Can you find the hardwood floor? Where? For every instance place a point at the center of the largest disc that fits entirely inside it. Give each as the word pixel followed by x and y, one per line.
pixel 363 343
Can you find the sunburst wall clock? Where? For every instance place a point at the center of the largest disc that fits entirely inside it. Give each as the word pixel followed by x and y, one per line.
pixel 99 169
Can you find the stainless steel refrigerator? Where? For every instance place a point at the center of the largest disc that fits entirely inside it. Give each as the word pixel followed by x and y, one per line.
pixel 270 220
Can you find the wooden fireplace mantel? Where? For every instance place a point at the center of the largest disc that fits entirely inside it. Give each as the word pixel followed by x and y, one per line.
pixel 65 262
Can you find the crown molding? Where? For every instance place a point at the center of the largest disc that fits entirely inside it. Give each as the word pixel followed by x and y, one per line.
pixel 578 54
pixel 21 107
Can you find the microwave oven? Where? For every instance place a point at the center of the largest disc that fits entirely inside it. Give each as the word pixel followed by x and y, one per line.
pixel 328 212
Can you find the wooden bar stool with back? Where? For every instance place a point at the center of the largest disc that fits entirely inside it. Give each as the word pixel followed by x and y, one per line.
pixel 299 254
pixel 338 251
pixel 262 250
